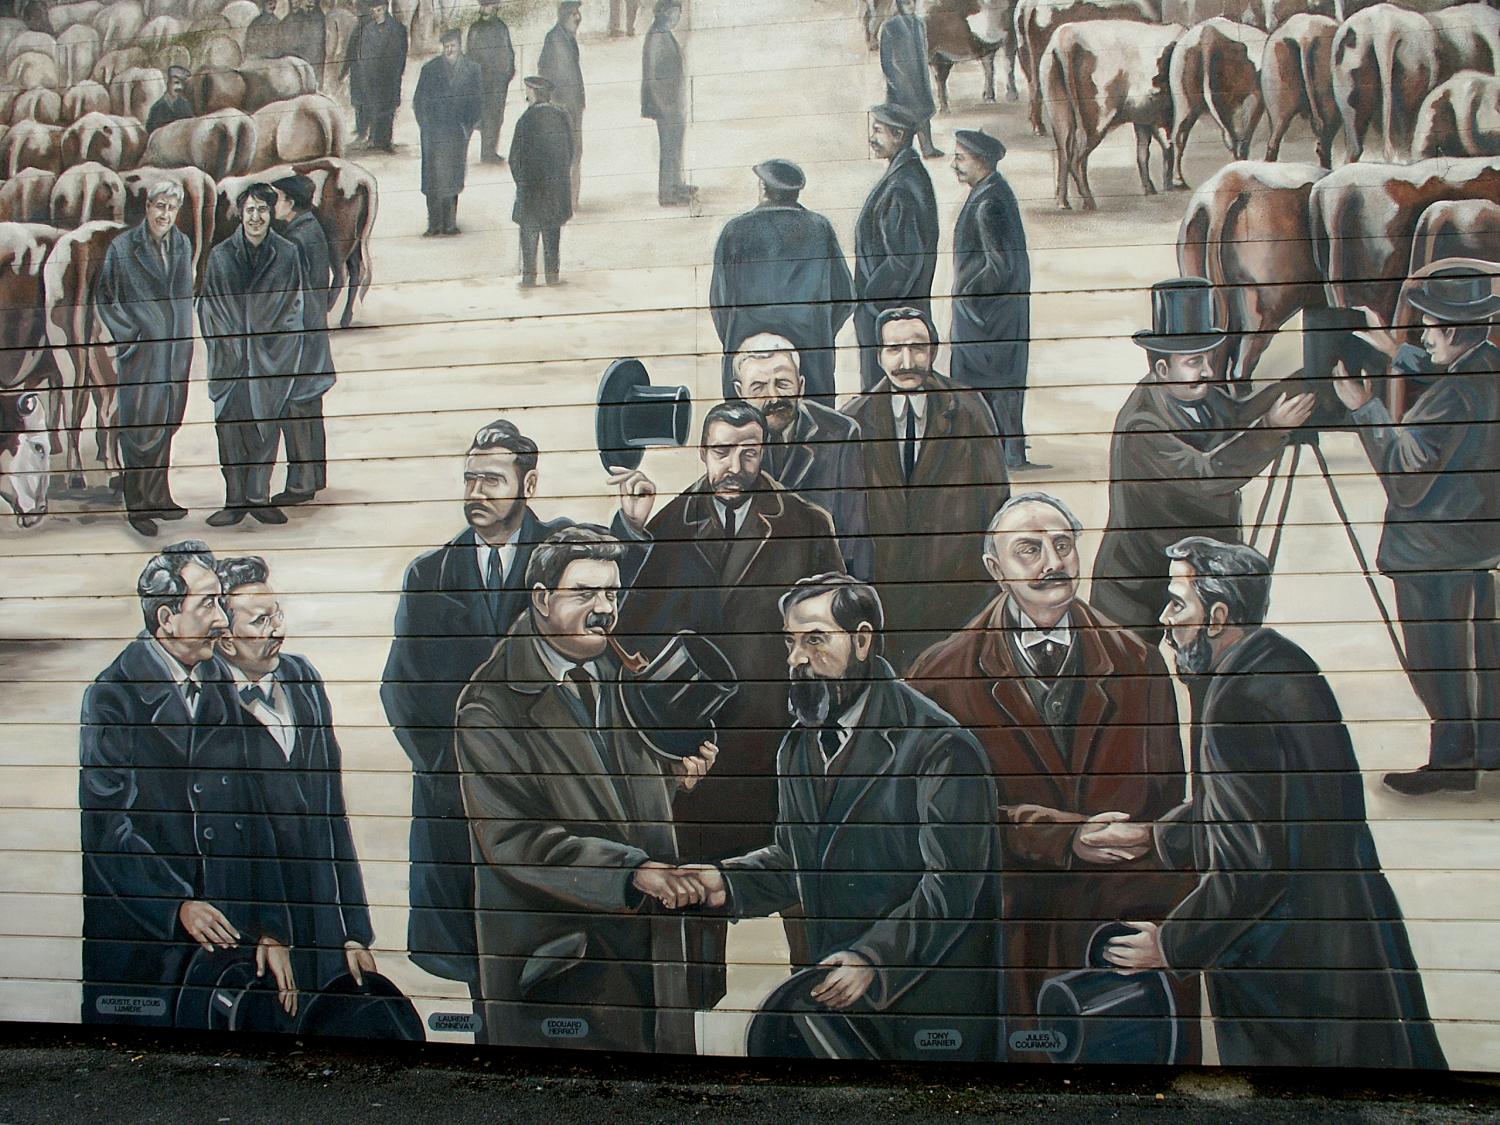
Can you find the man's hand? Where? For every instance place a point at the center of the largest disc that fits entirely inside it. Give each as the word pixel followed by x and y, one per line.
pixel 360 961
pixel 672 888
pixel 271 954
pixel 1290 413
pixel 692 770
pixel 1139 952
pixel 1352 392
pixel 710 880
pixel 206 924
pixel 1377 333
pixel 637 496
pixel 847 983
pixel 1110 837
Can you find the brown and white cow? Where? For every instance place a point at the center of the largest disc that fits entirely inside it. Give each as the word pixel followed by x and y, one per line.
pixel 114 141
pixel 31 43
pixel 31 145
pixel 77 51
pixel 274 80
pixel 216 49
pixel 27 197
pixel 1274 13
pixel 119 24
pixel 25 456
pixel 221 143
pixel 1296 80
pixel 1460 118
pixel 1098 76
pixel 37 104
pixel 86 192
pixel 1215 69
pixel 303 128
pixel 1037 20
pixel 1385 60
pixel 1468 38
pixel 114 63
pixel 32 70
pixel 135 90
pixel 1246 231
pixel 84 97
pixel 25 361
pixel 215 88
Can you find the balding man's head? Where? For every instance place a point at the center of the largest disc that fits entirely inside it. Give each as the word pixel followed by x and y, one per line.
pixel 1031 549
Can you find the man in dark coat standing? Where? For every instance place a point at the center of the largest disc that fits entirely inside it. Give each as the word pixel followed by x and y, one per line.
pixel 570 873
pixel 895 236
pixel 559 64
pixel 1441 542
pixel 664 99
pixel 1292 922
pixel 622 17
pixel 1183 447
pixel 447 104
pixel 263 34
pixel 304 33
pixel 377 60
pixel 991 289
pixel 885 838
pixel 303 430
pixel 935 477
pixel 908 78
pixel 144 296
pixel 251 313
pixel 779 268
pixel 143 906
pixel 173 105
pixel 541 152
pixel 490 48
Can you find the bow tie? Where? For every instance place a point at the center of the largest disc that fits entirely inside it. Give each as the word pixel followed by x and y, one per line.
pixel 1030 638
pixel 254 693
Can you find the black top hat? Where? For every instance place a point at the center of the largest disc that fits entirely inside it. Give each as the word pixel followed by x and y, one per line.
pixel 1182 318
pixel 791 1024
pixel 896 116
pixel 781 175
pixel 672 701
pixel 299 189
pixel 980 143
pixel 376 1009
pixel 220 992
pixel 1459 294
pixel 632 414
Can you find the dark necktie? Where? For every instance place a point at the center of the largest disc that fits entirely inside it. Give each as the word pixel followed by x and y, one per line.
pixel 1048 658
pixel 909 446
pixel 191 689
pixel 732 519
pixel 829 741
pixel 494 575
pixel 585 685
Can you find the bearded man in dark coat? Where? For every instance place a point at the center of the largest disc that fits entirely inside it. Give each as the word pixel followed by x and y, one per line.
pixel 304 33
pixel 447 104
pixel 490 48
pixel 377 59
pixel 908 79
pixel 144 296
pixel 991 289
pixel 779 268
pixel 664 99
pixel 541 152
pixel 252 314
pixel 559 64
pixel 895 236
pixel 1292 922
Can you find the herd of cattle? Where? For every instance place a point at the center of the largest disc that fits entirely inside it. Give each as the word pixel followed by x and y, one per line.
pixel 78 165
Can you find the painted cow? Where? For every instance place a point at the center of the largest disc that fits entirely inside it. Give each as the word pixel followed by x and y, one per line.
pixel 1215 69
pixel 25 360
pixel 221 143
pixel 274 80
pixel 1385 60
pixel 37 104
pixel 1460 118
pixel 32 70
pixel 31 145
pixel 951 40
pixel 1037 20
pixel 86 192
pixel 78 50
pixel 84 97
pixel 136 89
pixel 303 128
pixel 25 456
pixel 119 24
pixel 27 197
pixel 116 142
pixel 1296 80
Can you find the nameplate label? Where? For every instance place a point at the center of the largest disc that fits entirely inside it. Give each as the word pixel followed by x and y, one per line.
pixel 938 1039
pixel 560 1027
pixel 1047 1042
pixel 143 1006
pixel 460 1022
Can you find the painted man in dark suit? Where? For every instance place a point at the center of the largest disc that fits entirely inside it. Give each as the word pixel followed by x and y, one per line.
pixel 377 60
pixel 304 33
pixel 936 475
pixel 569 871
pixel 173 105
pixel 490 47
pixel 447 105
pixel 559 64
pixel 1441 542
pixel 1079 720
pixel 303 429
pixel 252 314
pixel 885 838
pixel 715 560
pixel 811 450
pixel 144 296
pixel 779 268
pixel 143 905
pixel 895 236
pixel 991 289
pixel 262 37
pixel 1292 922
pixel 271 820
pixel 664 99
pixel 908 78
pixel 1182 450
pixel 541 152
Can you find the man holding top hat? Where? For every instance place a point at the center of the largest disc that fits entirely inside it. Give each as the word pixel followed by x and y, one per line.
pixel 490 48
pixel 1441 542
pixel 991 289
pixel 541 152
pixel 173 105
pixel 1183 448
pixel 895 236
pixel 779 268
pixel 447 105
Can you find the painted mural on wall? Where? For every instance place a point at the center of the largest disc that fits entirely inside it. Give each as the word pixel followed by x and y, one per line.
pixel 845 596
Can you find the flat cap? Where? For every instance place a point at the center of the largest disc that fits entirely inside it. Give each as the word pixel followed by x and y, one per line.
pixel 980 143
pixel 781 175
pixel 895 116
pixel 299 189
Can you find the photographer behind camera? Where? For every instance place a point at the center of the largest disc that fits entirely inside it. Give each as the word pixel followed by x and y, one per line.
pixel 1441 541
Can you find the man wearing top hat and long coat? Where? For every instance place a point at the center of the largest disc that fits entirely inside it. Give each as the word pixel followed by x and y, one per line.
pixel 779 268
pixel 447 104
pixel 991 334
pixel 895 236
pixel 1182 450
pixel 1441 542
pixel 490 47
pixel 541 152
pixel 559 63
pixel 908 77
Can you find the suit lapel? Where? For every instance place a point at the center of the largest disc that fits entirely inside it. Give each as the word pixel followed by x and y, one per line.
pixel 149 259
pixel 865 760
pixel 1009 694
pixel 935 450
pixel 882 458
pixel 799 453
pixel 766 508
pixel 1095 704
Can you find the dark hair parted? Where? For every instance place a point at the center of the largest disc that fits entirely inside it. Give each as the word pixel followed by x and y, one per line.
pixel 247 570
pixel 573 544
pixel 1228 574
pixel 161 584
pixel 735 412
pixel 905 312
pixel 502 434
pixel 263 192
pixel 855 603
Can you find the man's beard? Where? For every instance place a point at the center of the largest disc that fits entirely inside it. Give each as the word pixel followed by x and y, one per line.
pixel 813 700
pixel 471 510
pixel 1197 656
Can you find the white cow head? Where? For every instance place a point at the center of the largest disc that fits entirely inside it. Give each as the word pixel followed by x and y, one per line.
pixel 25 456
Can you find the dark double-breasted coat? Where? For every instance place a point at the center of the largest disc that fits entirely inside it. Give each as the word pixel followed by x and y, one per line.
pixel 563 808
pixel 928 533
pixel 1300 937
pixel 447 625
pixel 892 853
pixel 779 268
pixel 377 60
pixel 167 109
pixel 903 61
pixel 895 251
pixel 317 375
pixel 541 156
pixel 822 460
pixel 447 104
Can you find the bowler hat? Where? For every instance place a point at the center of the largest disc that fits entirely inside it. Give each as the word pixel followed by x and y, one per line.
pixel 980 143
pixel 299 189
pixel 178 72
pixel 632 414
pixel 790 1024
pixel 672 701
pixel 374 1009
pixel 1182 318
pixel 221 992
pixel 1457 294
pixel 781 175
pixel 895 116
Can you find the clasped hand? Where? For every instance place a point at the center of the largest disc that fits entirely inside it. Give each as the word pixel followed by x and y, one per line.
pixel 692 884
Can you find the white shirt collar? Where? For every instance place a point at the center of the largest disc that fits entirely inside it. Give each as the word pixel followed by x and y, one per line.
pixel 741 513
pixel 560 665
pixel 507 555
pixel 916 400
pixel 181 674
pixel 272 711
pixel 1033 634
